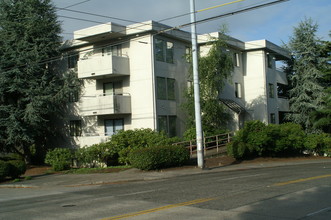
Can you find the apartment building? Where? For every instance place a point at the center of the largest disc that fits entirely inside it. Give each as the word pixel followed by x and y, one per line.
pixel 134 77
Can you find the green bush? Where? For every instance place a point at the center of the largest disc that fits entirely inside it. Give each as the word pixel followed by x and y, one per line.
pixel 16 168
pixel 96 155
pixel 157 157
pixel 4 170
pixel 257 139
pixel 290 140
pixel 126 141
pixel 319 144
pixel 59 158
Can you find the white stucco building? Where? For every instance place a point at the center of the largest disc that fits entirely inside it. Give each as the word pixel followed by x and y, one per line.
pixel 134 77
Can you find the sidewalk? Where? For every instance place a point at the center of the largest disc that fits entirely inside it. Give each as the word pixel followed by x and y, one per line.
pixel 135 175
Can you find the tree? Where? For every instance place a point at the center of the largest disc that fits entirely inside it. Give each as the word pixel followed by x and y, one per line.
pixel 214 69
pixel 322 116
pixel 306 93
pixel 32 93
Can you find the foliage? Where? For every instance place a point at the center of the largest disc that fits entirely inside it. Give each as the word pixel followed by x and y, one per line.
pixel 320 144
pixel 290 140
pixel 322 116
pixel 214 69
pixel 32 91
pixel 157 157
pixel 16 168
pixel 306 91
pixel 257 139
pixel 4 170
pixel 59 158
pixel 96 155
pixel 126 141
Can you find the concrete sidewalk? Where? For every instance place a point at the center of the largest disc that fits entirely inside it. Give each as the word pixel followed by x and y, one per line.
pixel 135 175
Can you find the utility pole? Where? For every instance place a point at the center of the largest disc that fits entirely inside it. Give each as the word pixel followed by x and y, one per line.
pixel 197 107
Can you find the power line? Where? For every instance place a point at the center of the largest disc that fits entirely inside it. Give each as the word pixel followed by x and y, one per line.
pixel 76 4
pixel 53 59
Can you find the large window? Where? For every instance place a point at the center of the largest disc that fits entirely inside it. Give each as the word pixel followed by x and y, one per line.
pixel 72 60
pixel 164 51
pixel 165 88
pixel 75 127
pixel 167 124
pixel 112 126
pixel 282 91
pixel 115 50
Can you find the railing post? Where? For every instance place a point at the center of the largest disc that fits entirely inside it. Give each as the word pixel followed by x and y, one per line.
pixel 217 143
pixel 229 137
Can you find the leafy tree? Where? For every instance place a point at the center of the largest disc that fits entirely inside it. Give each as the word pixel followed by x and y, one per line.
pixel 214 69
pixel 32 93
pixel 306 93
pixel 322 116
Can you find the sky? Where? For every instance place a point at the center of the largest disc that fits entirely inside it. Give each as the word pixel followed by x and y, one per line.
pixel 274 23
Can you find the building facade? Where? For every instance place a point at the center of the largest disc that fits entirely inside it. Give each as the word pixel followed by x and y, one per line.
pixel 135 77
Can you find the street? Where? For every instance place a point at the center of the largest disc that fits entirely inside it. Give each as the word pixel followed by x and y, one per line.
pixel 285 192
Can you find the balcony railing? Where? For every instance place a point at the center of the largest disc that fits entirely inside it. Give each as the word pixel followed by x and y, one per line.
pixel 99 66
pixel 105 105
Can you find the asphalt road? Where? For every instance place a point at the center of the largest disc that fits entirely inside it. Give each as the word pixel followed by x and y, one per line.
pixel 287 192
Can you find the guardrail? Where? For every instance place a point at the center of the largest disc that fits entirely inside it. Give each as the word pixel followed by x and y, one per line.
pixel 217 142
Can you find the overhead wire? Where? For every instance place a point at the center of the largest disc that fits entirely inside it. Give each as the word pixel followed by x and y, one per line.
pixel 49 60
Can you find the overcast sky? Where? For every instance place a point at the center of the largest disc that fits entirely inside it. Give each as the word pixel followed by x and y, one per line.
pixel 274 23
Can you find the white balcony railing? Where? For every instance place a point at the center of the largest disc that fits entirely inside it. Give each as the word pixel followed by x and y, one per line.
pixel 105 105
pixel 98 66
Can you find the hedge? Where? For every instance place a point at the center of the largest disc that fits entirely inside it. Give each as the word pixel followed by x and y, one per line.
pixel 157 157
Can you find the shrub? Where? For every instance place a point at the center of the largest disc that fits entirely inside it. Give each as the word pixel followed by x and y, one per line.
pixel 126 141
pixel 291 140
pixel 59 158
pixel 257 139
pixel 250 141
pixel 4 170
pixel 97 154
pixel 320 144
pixel 16 168
pixel 158 157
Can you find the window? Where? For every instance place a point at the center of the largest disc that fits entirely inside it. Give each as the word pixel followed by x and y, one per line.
pixel 75 127
pixel 112 50
pixel 272 118
pixel 236 59
pixel 282 91
pixel 73 60
pixel 271 90
pixel 269 60
pixel 164 51
pixel 165 88
pixel 112 126
pixel 237 90
pixel 73 96
pixel 168 124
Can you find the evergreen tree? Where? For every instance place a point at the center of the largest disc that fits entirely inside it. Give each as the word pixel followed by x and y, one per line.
pixel 322 116
pixel 32 93
pixel 306 93
pixel 214 69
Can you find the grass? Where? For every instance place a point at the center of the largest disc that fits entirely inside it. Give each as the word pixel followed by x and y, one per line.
pixel 111 169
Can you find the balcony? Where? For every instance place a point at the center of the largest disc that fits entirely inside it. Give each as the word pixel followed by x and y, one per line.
pixel 98 66
pixel 105 105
